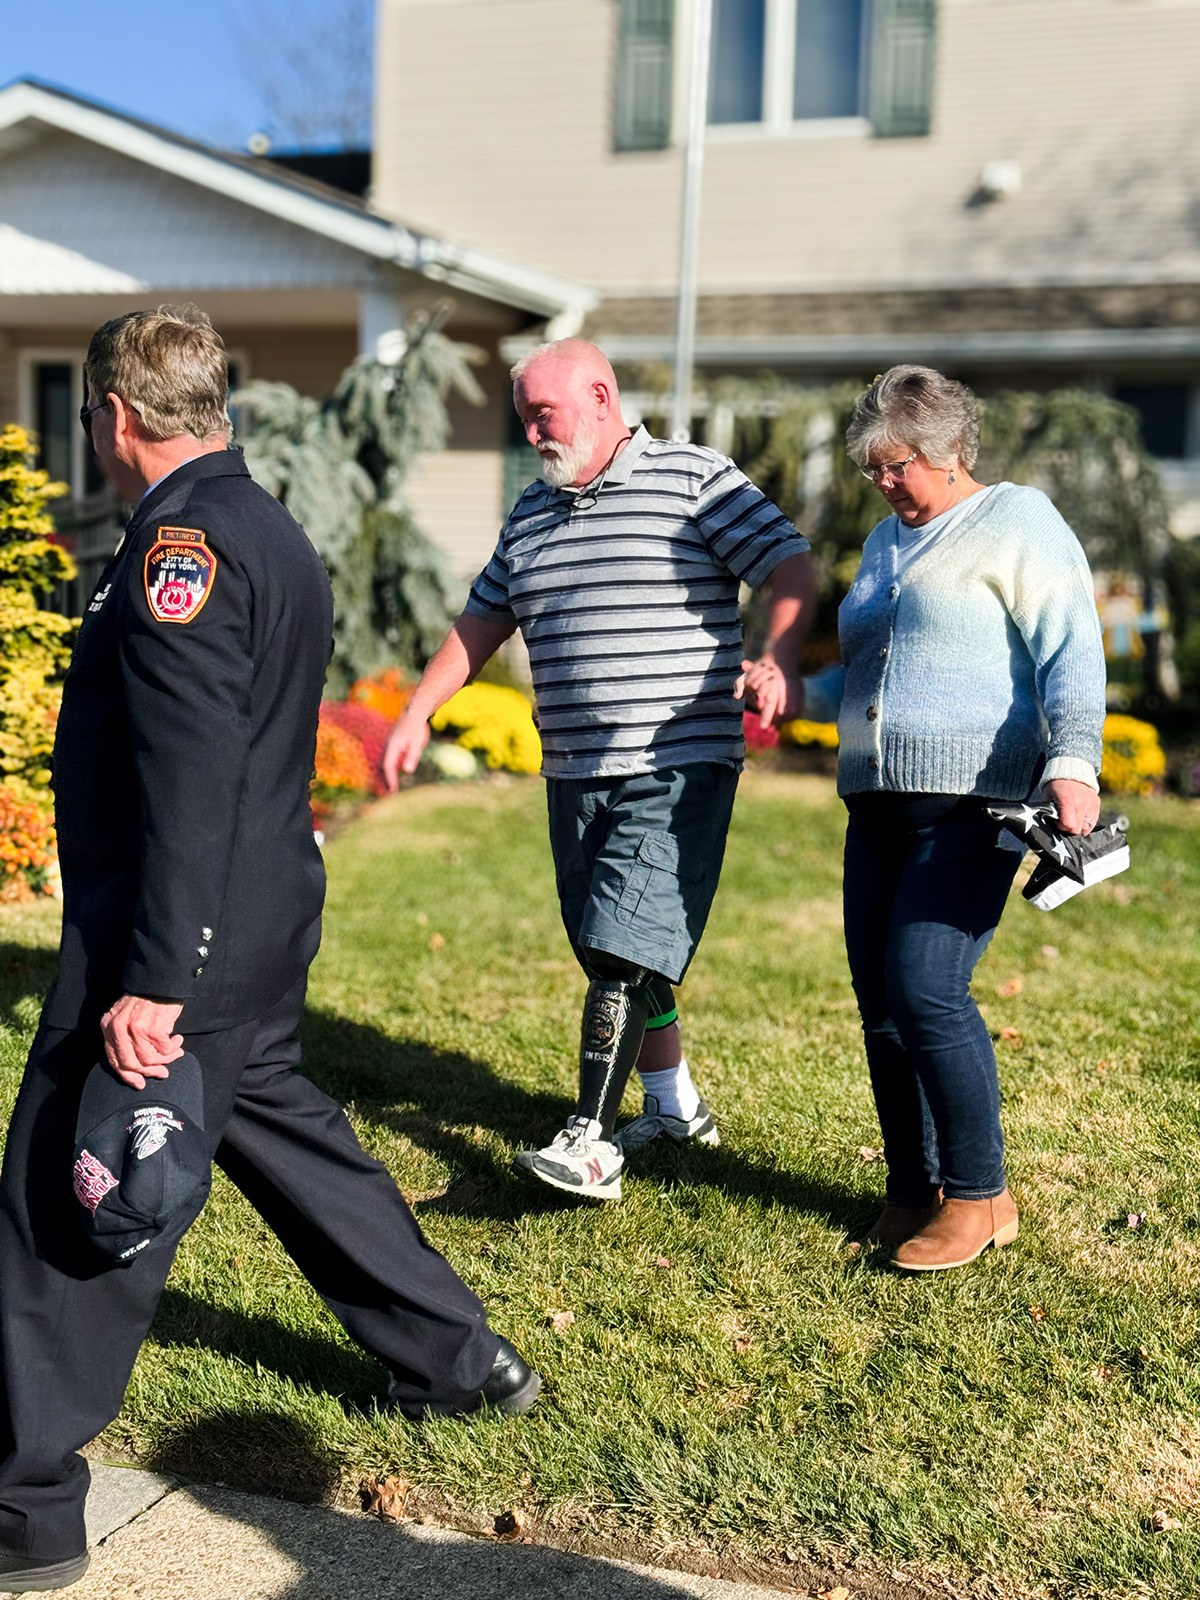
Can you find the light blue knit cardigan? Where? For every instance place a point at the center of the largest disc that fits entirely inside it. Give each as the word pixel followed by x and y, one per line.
pixel 960 674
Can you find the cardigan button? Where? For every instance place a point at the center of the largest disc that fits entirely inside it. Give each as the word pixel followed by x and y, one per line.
pixel 893 591
pixel 872 713
pixel 882 651
pixel 872 761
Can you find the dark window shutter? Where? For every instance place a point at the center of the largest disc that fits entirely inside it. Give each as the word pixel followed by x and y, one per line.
pixel 642 112
pixel 902 42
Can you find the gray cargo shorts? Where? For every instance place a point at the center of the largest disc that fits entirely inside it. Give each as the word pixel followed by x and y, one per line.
pixel 637 860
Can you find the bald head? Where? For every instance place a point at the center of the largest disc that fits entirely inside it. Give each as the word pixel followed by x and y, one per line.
pixel 585 362
pixel 566 396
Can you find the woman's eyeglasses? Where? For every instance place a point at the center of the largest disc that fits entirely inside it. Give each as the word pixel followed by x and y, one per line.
pixel 890 469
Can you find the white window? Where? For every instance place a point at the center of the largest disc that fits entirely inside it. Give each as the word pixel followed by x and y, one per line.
pixel 778 67
pixel 822 66
pixel 51 393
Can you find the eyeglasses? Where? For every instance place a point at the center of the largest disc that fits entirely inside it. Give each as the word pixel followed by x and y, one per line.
pixel 890 469
pixel 85 417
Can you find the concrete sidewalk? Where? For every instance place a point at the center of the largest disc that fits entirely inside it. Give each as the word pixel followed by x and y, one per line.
pixel 155 1538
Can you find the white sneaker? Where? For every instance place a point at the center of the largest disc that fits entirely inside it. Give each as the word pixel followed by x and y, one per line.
pixel 577 1160
pixel 655 1124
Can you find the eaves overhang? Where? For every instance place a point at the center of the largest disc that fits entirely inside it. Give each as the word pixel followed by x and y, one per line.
pixel 267 188
pixel 1058 345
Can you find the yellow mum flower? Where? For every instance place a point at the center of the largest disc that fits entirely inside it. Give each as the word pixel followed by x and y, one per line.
pixel 496 721
pixel 1134 762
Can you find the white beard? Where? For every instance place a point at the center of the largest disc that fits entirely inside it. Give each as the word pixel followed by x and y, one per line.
pixel 563 463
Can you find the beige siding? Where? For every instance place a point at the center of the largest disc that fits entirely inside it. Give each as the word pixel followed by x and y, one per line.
pixel 494 125
pixel 455 497
pixel 310 359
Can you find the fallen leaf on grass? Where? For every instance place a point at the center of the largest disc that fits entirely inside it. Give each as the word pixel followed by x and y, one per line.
pixel 560 1321
pixel 1037 1313
pixel 1135 1219
pixel 422 920
pixel 743 1344
pixel 1163 1522
pixel 1121 894
pixel 384 1497
pixel 868 1153
pixel 840 1593
pixel 1050 951
pixel 1012 1036
pixel 662 1261
pixel 1102 1374
pixel 436 941
pixel 509 1526
pixel 1013 986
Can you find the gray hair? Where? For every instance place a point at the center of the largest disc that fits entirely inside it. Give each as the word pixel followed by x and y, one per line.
pixel 916 408
pixel 582 355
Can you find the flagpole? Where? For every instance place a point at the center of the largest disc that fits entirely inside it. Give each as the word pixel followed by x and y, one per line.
pixel 689 246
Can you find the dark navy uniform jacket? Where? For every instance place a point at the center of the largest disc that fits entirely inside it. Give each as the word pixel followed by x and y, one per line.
pixel 184 751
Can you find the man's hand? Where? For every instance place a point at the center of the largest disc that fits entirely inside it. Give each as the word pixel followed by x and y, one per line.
pixel 778 695
pixel 403 749
pixel 1078 804
pixel 138 1040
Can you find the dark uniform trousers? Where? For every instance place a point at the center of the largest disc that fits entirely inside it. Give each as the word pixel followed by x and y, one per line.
pixel 182 761
pixel 71 1325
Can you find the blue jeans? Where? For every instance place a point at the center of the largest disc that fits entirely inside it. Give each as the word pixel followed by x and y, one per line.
pixel 925 885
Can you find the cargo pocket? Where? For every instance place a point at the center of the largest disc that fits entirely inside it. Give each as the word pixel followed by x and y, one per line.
pixel 652 884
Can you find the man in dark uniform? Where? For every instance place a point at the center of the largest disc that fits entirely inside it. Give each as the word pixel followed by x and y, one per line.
pixel 192 891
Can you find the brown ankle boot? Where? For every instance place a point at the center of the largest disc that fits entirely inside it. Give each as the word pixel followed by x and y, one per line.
pixel 959 1231
pixel 895 1224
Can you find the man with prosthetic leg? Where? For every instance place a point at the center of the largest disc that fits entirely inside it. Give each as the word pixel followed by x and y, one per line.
pixel 622 572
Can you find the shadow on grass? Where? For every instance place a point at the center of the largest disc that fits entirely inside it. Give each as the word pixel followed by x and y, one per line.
pixel 251 1448
pixel 317 1552
pixel 354 1061
pixel 24 970
pixel 308 1358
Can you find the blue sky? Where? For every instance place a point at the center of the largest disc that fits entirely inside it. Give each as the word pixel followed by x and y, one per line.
pixel 174 64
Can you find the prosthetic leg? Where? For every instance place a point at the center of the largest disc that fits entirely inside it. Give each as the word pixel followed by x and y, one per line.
pixel 615 1014
pixel 583 1158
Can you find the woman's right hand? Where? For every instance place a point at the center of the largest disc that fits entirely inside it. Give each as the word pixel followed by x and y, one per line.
pixel 778 695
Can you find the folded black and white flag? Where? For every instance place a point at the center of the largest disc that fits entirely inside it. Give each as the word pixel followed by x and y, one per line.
pixel 1067 862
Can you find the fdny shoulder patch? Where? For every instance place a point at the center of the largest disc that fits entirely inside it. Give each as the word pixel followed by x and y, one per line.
pixel 180 569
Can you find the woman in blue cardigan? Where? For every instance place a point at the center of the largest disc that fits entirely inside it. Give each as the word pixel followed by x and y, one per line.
pixel 972 671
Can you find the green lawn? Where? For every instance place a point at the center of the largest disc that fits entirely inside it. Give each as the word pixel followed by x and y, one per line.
pixel 735 1368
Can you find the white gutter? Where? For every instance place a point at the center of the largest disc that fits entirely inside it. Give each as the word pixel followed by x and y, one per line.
pixel 441 260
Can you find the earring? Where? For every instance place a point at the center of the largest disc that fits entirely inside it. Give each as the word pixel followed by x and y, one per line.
pixel 951 477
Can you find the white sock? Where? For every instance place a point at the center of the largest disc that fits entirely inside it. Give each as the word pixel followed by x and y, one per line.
pixel 674 1091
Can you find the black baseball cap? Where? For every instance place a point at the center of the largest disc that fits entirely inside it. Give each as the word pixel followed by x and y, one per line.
pixel 140 1155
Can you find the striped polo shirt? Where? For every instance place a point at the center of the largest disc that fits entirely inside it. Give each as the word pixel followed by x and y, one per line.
pixel 626 593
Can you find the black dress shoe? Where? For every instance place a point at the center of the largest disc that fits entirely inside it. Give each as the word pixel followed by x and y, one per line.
pixel 512 1385
pixel 26 1575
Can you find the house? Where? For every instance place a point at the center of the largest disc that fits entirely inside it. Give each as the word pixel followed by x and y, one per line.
pixel 1009 189
pixel 100 214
